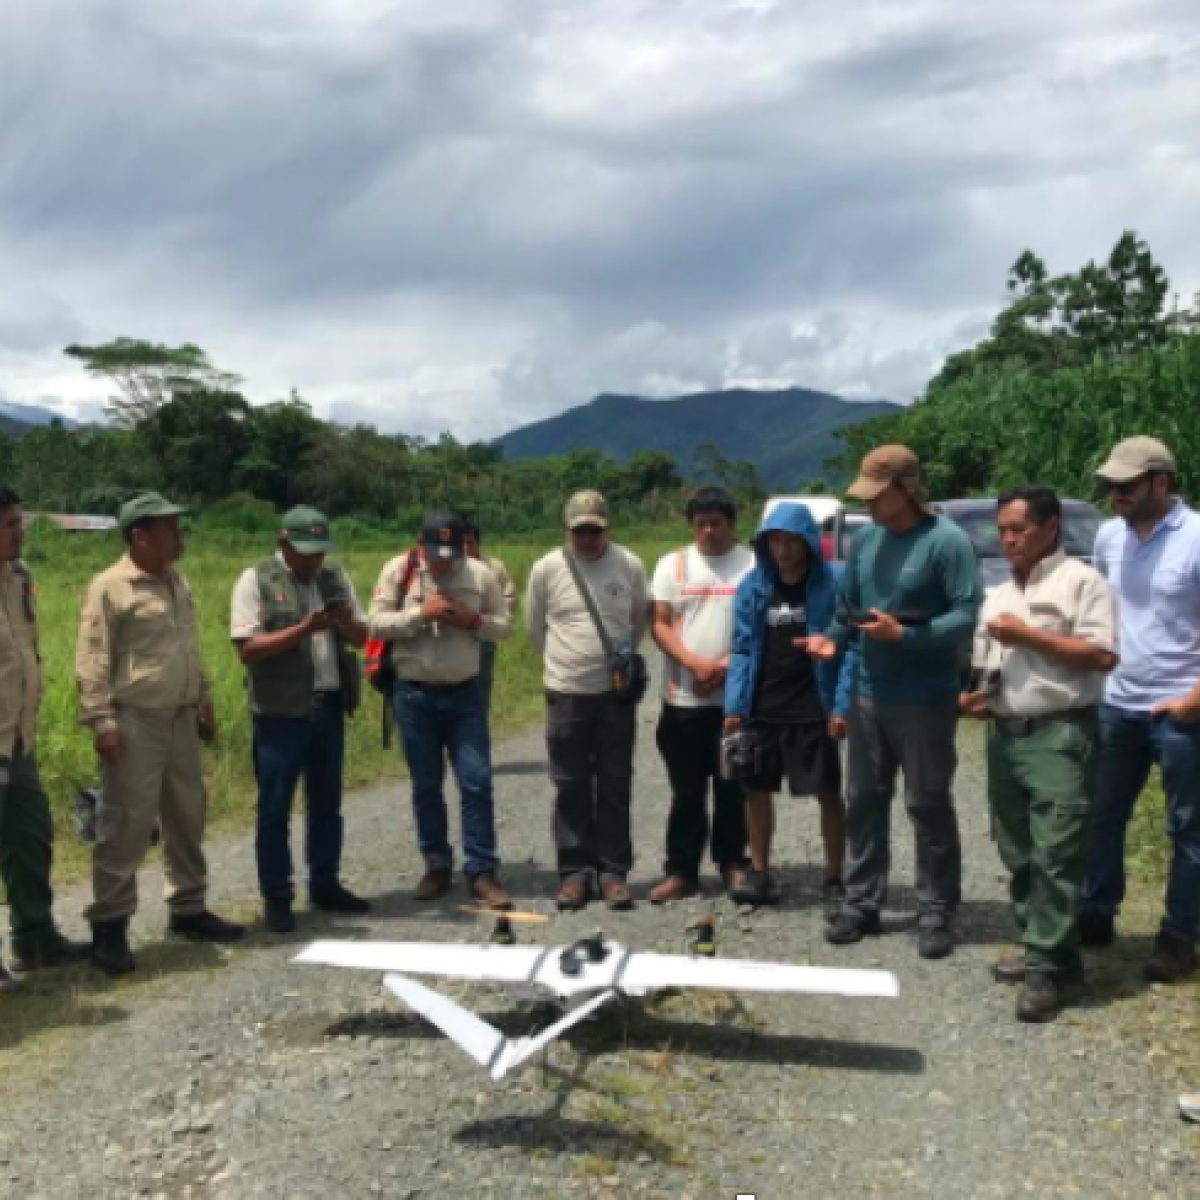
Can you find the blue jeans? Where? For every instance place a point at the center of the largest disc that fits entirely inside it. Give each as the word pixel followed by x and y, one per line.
pixel 284 749
pixel 1130 744
pixel 436 723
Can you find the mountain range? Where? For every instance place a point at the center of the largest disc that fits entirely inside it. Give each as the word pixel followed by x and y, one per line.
pixel 16 419
pixel 786 434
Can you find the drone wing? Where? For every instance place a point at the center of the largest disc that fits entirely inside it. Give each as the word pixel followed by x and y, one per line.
pixel 646 972
pixel 500 964
pixel 483 1042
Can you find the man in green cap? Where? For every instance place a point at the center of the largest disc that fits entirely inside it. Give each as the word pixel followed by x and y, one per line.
pixel 293 620
pixel 144 696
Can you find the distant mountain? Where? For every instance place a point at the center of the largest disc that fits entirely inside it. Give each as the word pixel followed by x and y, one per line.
pixel 786 434
pixel 18 418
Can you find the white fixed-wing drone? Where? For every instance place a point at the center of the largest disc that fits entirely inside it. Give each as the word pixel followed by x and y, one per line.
pixel 581 976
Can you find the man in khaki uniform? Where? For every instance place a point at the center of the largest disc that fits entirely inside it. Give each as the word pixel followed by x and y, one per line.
pixel 26 831
pixel 436 610
pixel 143 694
pixel 487 650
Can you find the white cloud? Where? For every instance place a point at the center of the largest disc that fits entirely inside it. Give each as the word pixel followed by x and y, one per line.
pixel 468 215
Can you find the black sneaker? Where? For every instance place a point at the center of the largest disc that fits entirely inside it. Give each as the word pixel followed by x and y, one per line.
pixel 1173 959
pixel 1097 929
pixel 1040 998
pixel 852 925
pixel 333 897
pixel 934 940
pixel 53 950
pixel 278 916
pixel 110 947
pixel 756 888
pixel 206 927
pixel 833 897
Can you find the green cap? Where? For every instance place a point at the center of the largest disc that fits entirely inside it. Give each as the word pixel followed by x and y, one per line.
pixel 586 508
pixel 306 530
pixel 146 504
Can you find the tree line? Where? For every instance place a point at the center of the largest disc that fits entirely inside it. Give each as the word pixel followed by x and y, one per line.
pixel 179 424
pixel 1072 364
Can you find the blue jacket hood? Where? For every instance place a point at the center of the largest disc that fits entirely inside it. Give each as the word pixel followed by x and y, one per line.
pixel 793 518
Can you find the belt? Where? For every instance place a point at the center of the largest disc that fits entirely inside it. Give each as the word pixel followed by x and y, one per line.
pixel 435 688
pixel 1020 727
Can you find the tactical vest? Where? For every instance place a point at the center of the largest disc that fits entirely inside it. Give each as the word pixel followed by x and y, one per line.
pixel 282 686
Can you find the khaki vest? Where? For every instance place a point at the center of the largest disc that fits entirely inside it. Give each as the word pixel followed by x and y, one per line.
pixel 282 686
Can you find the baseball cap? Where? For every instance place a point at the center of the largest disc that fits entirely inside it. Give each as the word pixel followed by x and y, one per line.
pixel 1136 456
pixel 442 535
pixel 883 467
pixel 306 530
pixel 144 505
pixel 586 508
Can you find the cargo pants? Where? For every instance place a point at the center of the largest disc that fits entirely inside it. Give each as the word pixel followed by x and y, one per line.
pixel 158 778
pixel 26 839
pixel 1040 787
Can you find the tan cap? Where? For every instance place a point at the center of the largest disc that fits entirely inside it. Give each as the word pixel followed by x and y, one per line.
pixel 1136 456
pixel 586 508
pixel 887 465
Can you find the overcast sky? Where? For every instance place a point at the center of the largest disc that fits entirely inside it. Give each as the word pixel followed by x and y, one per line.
pixel 470 214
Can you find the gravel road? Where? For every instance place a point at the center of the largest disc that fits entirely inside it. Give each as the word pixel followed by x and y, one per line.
pixel 235 1075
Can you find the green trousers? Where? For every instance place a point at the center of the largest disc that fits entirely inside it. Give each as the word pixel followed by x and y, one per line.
pixel 26 838
pixel 1040 788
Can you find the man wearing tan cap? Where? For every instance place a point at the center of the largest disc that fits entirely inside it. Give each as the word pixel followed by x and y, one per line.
pixel 910 595
pixel 589 727
pixel 1150 554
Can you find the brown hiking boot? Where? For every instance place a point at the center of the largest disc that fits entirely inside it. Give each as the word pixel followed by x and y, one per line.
pixel 573 893
pixel 434 883
pixel 616 894
pixel 674 887
pixel 489 891
pixel 1173 959
pixel 1009 969
pixel 1040 998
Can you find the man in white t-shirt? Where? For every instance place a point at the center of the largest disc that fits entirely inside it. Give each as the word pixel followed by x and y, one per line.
pixel 693 594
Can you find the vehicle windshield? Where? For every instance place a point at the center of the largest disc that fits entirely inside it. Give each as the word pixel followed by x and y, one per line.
pixel 1080 526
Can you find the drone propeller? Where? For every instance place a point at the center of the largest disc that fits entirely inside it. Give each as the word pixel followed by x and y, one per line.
pixel 520 918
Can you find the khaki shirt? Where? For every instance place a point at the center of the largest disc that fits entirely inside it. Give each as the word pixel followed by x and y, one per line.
pixel 429 652
pixel 1062 596
pixel 138 645
pixel 20 670
pixel 561 627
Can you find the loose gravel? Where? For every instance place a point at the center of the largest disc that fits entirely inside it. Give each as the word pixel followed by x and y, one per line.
pixel 232 1074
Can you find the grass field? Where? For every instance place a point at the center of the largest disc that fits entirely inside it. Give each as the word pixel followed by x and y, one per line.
pixel 62 565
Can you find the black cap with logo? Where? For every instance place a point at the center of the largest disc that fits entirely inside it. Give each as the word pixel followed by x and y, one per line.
pixel 442 535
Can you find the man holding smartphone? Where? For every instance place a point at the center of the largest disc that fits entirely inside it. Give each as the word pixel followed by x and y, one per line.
pixel 915 575
pixel 293 620
pixel 436 620
pixel 1044 644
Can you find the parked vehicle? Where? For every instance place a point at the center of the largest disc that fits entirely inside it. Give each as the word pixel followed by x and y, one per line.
pixel 1081 522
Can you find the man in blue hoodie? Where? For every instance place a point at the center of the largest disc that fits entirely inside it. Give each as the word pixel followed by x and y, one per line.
pixel 797 708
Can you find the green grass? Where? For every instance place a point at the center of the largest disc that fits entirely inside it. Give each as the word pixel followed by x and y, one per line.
pixel 63 564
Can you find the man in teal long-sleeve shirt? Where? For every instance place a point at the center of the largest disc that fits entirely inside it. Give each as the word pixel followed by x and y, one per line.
pixel 910 594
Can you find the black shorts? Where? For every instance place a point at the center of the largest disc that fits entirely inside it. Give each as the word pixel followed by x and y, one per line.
pixel 805 755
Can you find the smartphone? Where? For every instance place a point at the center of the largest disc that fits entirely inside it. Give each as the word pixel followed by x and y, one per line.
pixel 334 605
pixel 859 616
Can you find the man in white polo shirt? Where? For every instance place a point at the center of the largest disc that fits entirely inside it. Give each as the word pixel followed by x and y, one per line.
pixel 692 624
pixel 1150 554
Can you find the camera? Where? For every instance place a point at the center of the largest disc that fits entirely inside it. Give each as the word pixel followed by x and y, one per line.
pixel 741 754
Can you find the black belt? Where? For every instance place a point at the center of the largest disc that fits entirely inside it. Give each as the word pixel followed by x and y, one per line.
pixel 436 688
pixel 1020 727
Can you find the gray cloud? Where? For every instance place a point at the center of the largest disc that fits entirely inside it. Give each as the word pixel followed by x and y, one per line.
pixel 470 217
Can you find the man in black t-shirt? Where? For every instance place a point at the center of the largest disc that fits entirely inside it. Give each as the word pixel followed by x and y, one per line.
pixel 777 691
